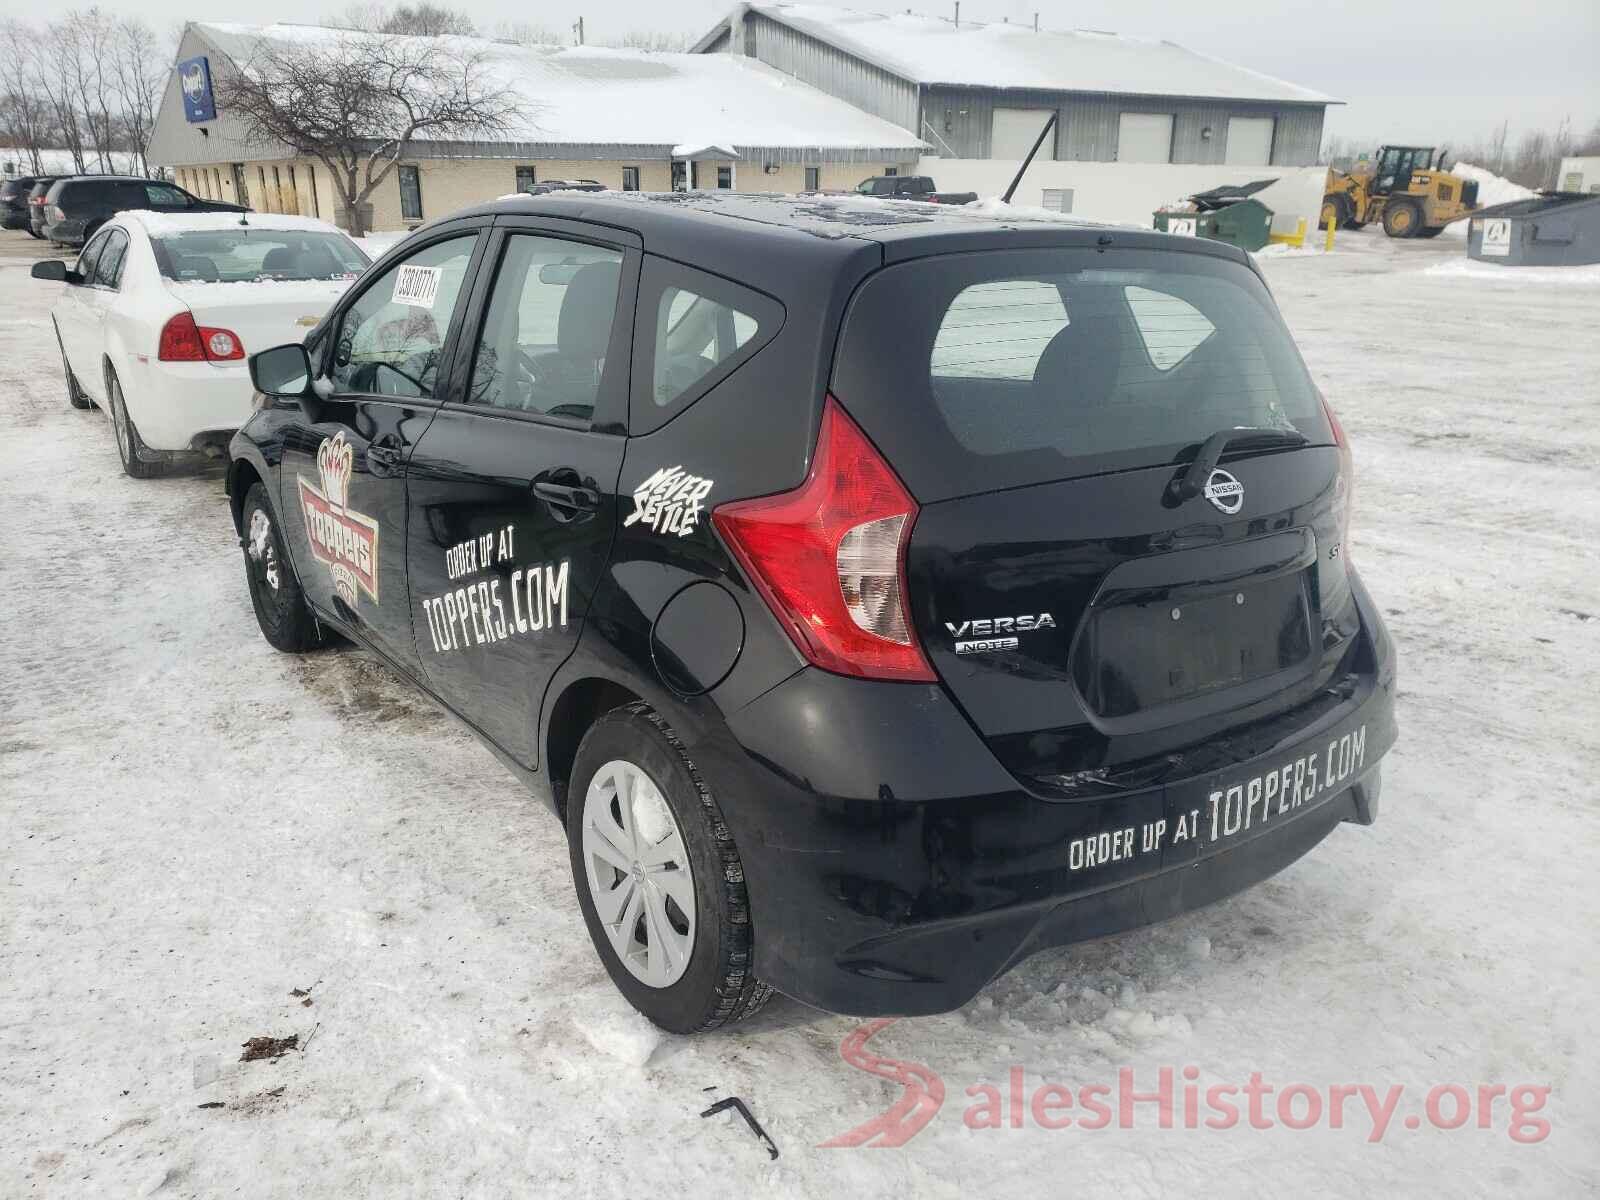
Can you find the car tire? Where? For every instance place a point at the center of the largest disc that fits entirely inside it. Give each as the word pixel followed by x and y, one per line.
pixel 34 233
pixel 76 396
pixel 671 817
pixel 130 447
pixel 281 610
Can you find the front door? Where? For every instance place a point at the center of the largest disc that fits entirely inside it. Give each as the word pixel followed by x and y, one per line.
pixel 513 488
pixel 81 315
pixel 342 483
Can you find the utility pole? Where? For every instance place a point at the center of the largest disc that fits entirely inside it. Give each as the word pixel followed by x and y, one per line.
pixel 958 14
pixel 578 28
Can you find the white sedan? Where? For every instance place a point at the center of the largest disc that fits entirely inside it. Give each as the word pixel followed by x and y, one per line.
pixel 160 311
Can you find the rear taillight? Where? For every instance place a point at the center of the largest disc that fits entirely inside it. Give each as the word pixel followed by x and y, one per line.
pixel 184 341
pixel 829 557
pixel 57 213
pixel 1344 489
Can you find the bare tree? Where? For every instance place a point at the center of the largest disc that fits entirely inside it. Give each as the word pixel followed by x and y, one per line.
pixel 357 102
pixel 54 69
pixel 24 112
pixel 645 39
pixel 428 20
pixel 140 70
pixel 89 37
pixel 526 33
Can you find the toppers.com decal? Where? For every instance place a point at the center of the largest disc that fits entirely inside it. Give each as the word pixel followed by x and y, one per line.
pixel 343 540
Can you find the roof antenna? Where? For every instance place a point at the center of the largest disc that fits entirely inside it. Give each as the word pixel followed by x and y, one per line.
pixel 1027 162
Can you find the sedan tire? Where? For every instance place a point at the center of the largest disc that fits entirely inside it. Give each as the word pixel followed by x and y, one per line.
pixel 658 876
pixel 130 448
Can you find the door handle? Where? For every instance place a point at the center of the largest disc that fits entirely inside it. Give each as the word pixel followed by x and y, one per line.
pixel 384 455
pixel 566 495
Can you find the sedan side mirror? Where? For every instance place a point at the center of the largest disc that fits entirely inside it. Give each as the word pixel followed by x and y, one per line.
pixel 56 271
pixel 282 371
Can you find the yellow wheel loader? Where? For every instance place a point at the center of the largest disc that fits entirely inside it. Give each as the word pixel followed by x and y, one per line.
pixel 1406 188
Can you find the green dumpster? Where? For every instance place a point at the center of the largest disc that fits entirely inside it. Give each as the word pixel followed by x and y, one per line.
pixel 1226 214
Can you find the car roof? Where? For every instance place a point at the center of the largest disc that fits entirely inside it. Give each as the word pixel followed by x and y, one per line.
pixel 674 221
pixel 159 223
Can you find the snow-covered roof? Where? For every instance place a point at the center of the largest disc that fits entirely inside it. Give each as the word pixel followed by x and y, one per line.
pixel 934 50
pixel 592 95
pixel 165 224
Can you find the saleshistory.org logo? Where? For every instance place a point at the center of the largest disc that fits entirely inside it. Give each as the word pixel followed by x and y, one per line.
pixel 1175 1099
pixel 343 540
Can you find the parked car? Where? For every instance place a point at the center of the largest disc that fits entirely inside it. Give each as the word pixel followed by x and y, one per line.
pixel 36 198
pixel 14 202
pixel 77 206
pixel 910 187
pixel 870 623
pixel 160 311
pixel 545 186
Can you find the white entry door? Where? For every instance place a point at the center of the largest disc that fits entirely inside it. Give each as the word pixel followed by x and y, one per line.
pixel 1144 137
pixel 1014 130
pixel 1249 141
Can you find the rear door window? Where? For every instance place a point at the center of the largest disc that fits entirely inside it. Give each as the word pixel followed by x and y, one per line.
pixel 982 371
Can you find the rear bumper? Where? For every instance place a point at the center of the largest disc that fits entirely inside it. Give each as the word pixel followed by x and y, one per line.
pixel 187 406
pixel 895 868
pixel 14 218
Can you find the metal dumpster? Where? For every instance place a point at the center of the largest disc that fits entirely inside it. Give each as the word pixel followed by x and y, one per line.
pixel 1555 229
pixel 1225 214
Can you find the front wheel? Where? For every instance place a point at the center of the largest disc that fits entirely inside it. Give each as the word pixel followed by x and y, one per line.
pixel 658 876
pixel 286 622
pixel 1402 219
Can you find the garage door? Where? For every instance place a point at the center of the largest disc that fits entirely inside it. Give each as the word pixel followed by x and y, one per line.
pixel 1249 141
pixel 1013 132
pixel 1144 137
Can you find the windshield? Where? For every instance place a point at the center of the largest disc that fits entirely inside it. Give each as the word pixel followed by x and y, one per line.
pixel 246 255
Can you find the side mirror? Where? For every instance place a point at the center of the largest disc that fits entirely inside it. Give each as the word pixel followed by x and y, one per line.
pixel 56 271
pixel 282 371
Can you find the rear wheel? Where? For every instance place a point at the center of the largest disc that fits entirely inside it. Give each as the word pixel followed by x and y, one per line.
pixel 658 876
pixel 130 447
pixel 1430 231
pixel 34 233
pixel 286 622
pixel 1402 218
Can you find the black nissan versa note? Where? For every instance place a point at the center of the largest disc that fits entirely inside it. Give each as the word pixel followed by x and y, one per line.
pixel 879 594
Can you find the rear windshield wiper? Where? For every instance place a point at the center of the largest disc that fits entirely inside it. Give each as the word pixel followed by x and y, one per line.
pixel 1188 485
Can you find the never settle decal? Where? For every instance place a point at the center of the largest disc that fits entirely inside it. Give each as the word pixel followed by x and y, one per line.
pixel 343 540
pixel 479 612
pixel 670 501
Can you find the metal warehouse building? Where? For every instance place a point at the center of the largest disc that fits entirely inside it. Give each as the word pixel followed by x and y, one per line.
pixel 627 118
pixel 982 91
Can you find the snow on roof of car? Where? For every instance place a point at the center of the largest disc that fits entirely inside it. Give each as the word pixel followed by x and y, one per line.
pixel 595 95
pixel 973 54
pixel 166 224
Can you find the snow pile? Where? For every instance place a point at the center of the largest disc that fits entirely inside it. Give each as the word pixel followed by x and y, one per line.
pixel 378 244
pixel 993 206
pixel 1582 276
pixel 614 1027
pixel 1492 190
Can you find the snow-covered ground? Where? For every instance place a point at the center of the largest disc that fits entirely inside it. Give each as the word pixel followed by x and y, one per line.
pixel 197 828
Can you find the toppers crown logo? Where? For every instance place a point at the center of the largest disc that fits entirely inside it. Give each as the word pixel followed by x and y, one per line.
pixel 341 539
pixel 335 459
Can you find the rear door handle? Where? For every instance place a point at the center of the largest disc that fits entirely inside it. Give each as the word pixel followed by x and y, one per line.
pixel 565 495
pixel 384 455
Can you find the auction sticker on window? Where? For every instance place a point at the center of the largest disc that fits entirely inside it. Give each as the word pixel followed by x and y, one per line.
pixel 417 286
pixel 1497 237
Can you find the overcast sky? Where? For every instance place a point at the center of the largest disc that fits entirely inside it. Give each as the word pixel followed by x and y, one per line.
pixel 1429 71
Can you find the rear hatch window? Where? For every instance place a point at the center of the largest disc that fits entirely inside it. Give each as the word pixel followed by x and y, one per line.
pixel 976 372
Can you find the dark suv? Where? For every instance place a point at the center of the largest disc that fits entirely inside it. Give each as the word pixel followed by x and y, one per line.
pixel 77 206
pixel 877 597
pixel 14 202
pixel 35 202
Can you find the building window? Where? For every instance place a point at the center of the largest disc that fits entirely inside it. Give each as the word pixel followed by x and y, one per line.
pixel 216 177
pixel 813 179
pixel 630 179
pixel 410 194
pixel 525 179
pixel 724 177
pixel 240 192
pixel 266 196
pixel 311 182
pixel 680 176
pixel 277 191
pixel 891 170
pixel 294 192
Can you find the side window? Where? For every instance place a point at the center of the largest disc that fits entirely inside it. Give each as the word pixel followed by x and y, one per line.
pixel 410 194
pixel 998 330
pixel 108 271
pixel 390 340
pixel 1171 329
pixel 694 330
pixel 163 196
pixel 90 256
pixel 547 331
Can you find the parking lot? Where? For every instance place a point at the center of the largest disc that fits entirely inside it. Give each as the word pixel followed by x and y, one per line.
pixel 208 842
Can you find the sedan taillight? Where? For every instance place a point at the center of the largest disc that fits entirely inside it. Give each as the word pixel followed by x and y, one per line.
pixel 184 341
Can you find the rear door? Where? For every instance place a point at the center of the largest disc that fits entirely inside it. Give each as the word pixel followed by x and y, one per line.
pixel 513 490
pixel 1040 406
pixel 342 483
